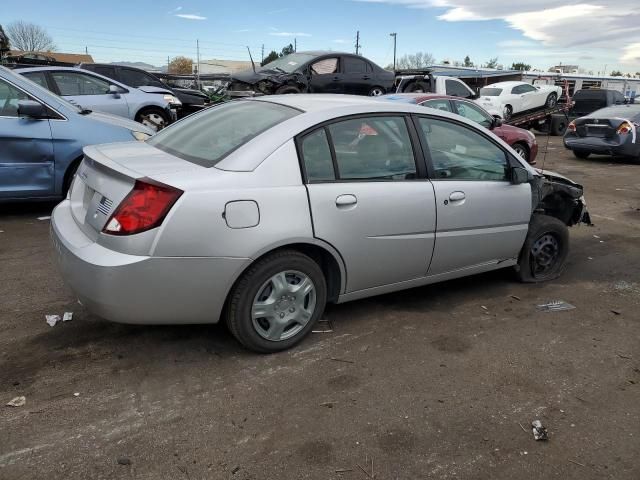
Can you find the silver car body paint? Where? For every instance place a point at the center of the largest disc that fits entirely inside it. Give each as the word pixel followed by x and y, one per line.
pixel 396 235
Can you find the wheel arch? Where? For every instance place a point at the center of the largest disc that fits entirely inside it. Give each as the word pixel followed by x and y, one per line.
pixel 69 172
pixel 327 257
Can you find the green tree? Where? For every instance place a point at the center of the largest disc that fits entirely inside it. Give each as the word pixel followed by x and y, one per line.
pixel 273 55
pixel 468 62
pixel 617 73
pixel 521 66
pixel 288 50
pixel 4 42
pixel 492 63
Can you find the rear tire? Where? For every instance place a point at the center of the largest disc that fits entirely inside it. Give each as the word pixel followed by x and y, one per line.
pixel 507 112
pixel 581 154
pixel 376 92
pixel 154 118
pixel 266 313
pixel 544 254
pixel 558 126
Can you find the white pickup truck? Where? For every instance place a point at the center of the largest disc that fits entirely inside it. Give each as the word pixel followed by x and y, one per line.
pixel 410 82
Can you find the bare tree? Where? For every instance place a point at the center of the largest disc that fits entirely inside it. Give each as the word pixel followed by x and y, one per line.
pixel 29 37
pixel 416 60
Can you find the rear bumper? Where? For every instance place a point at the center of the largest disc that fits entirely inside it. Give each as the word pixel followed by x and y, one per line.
pixel 602 146
pixel 140 289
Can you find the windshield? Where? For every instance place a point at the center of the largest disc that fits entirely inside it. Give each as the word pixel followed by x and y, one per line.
pixel 207 138
pixel 490 92
pixel 288 63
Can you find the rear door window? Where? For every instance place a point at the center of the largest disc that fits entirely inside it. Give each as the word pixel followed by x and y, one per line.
pixel 38 77
pixel 438 104
pixel 354 65
pixel 135 78
pixel 325 66
pixel 108 72
pixel 208 137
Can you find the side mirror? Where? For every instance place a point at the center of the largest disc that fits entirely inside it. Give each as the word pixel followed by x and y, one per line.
pixel 520 175
pixel 31 109
pixel 497 122
pixel 115 90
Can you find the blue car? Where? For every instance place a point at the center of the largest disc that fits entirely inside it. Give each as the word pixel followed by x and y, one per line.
pixel 42 137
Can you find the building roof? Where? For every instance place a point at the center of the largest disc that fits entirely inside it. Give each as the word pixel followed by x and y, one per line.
pixel 59 56
pixel 471 72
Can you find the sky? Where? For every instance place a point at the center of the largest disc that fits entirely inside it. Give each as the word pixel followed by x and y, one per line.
pixel 594 34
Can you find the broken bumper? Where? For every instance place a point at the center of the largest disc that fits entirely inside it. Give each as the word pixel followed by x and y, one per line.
pixel 603 146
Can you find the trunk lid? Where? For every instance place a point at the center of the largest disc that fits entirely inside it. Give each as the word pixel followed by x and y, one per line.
pixel 597 127
pixel 107 175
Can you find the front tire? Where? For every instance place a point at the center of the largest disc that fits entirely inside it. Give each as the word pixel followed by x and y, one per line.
pixel 522 150
pixel 581 154
pixel 507 113
pixel 287 90
pixel 416 87
pixel 276 302
pixel 376 92
pixel 552 101
pixel 544 254
pixel 154 118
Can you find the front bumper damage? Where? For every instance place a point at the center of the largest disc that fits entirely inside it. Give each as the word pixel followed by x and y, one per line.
pixel 560 197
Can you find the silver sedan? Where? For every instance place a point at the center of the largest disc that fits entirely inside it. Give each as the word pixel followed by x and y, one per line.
pixel 261 211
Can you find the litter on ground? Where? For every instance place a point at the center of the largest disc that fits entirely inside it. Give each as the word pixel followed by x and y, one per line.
pixel 52 320
pixel 539 432
pixel 17 402
pixel 555 306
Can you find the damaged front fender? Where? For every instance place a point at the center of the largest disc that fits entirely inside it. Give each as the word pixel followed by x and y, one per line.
pixel 560 197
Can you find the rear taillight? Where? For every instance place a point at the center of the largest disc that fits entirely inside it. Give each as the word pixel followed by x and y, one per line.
pixel 571 127
pixel 624 128
pixel 143 208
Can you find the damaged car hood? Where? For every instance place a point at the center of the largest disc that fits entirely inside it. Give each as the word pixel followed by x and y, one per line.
pixel 559 196
pixel 251 77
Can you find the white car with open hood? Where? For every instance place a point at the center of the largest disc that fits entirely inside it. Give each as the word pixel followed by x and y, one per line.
pixel 509 98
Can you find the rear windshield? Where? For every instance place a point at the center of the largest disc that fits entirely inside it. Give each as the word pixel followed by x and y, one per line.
pixel 490 92
pixel 590 95
pixel 207 138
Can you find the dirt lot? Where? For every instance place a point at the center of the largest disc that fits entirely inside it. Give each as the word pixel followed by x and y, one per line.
pixel 427 383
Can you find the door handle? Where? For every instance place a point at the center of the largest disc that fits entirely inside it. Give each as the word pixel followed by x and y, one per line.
pixel 457 196
pixel 336 79
pixel 366 77
pixel 346 200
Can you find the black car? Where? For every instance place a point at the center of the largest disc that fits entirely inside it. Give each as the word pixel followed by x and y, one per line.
pixel 609 131
pixel 313 72
pixel 192 100
pixel 589 100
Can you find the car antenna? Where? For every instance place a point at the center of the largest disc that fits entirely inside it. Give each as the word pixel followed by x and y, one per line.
pixel 252 62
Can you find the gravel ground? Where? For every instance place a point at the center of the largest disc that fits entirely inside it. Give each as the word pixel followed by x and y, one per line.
pixel 434 382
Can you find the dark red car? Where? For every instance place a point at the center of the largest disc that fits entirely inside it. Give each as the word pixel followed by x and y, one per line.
pixel 521 140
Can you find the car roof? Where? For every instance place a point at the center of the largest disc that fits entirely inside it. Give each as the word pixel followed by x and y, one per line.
pixel 620 111
pixel 316 109
pixel 50 67
pixel 506 84
pixel 318 53
pixel 416 97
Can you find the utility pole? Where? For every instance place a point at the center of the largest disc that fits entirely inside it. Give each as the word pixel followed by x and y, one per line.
pixel 394 35
pixel 168 62
pixel 198 64
pixel 358 42
pixel 86 50
pixel 262 56
pixel 295 45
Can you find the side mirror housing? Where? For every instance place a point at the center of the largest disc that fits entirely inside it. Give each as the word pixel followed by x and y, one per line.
pixel 31 109
pixel 115 90
pixel 520 175
pixel 497 122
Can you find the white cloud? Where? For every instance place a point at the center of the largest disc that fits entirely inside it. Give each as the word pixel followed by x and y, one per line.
pixel 609 26
pixel 175 10
pixel 243 30
pixel 340 40
pixel 289 34
pixel 190 16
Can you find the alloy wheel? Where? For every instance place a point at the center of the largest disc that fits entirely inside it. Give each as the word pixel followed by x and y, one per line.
pixel 283 305
pixel 376 92
pixel 154 121
pixel 521 151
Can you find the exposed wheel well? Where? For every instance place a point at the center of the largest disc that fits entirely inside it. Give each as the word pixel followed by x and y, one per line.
pixel 559 206
pixel 68 174
pixel 322 257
